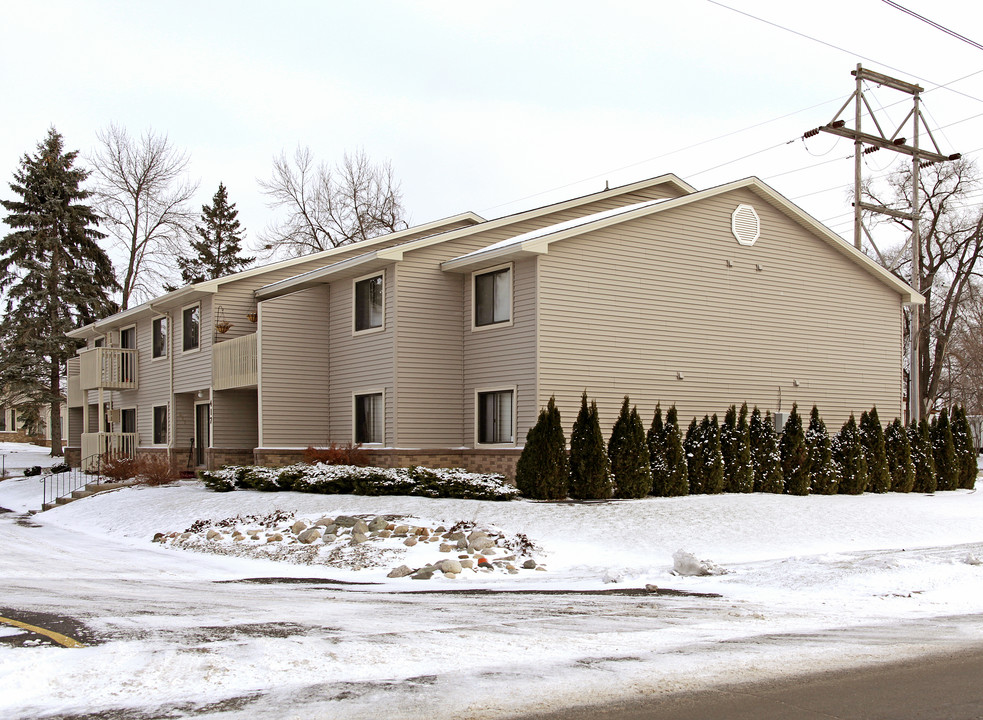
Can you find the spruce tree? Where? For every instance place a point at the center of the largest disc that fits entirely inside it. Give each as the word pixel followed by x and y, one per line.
pixel 695 469
pixel 590 474
pixel 962 438
pixel 772 480
pixel 899 463
pixel 712 458
pixel 542 472
pixel 219 242
pixel 629 456
pixel 656 441
pixel 944 453
pixel 875 455
pixel 920 439
pixel 849 455
pixel 54 276
pixel 795 455
pixel 677 476
pixel 824 475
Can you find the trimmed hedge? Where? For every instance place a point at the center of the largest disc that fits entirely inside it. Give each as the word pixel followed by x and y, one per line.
pixel 351 479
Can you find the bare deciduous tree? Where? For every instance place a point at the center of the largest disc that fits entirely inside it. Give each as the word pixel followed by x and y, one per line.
pixel 952 246
pixel 142 191
pixel 329 207
pixel 964 367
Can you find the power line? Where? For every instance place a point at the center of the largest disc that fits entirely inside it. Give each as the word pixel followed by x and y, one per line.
pixel 934 24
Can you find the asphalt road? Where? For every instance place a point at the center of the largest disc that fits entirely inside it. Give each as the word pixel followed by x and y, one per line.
pixel 933 688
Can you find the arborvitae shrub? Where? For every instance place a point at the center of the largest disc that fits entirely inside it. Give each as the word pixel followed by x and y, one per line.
pixel 770 460
pixel 920 439
pixel 962 439
pixel 735 445
pixel 712 458
pixel 899 463
pixel 755 433
pixel 693 445
pixel 875 454
pixel 728 432
pixel 590 472
pixel 944 453
pixel 677 475
pixel 824 475
pixel 629 455
pixel 656 442
pixel 849 455
pixel 542 472
pixel 795 455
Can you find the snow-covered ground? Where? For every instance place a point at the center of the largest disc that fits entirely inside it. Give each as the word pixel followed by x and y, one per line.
pixel 811 583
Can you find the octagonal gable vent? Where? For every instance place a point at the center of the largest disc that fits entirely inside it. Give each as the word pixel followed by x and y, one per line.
pixel 745 224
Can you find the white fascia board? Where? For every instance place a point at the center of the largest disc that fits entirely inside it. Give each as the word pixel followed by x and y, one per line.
pixel 316 277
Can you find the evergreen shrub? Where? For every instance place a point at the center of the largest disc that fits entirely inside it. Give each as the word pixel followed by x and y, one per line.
pixel 794 455
pixel 543 470
pixel 590 471
pixel 629 455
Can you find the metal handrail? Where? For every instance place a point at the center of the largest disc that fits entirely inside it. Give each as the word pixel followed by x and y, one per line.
pixel 63 484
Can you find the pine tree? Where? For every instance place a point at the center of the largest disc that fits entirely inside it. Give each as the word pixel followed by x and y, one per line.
pixel 899 463
pixel 542 472
pixel 656 441
pixel 920 439
pixel 219 242
pixel 944 453
pixel 962 438
pixel 590 473
pixel 629 455
pixel 677 480
pixel 872 439
pixel 712 457
pixel 693 447
pixel 824 475
pixel 849 455
pixel 795 455
pixel 53 272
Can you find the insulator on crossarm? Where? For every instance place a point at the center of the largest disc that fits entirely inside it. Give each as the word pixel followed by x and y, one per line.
pixel 872 148
pixel 811 133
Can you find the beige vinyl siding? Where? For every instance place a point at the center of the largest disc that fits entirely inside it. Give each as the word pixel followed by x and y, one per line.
pixel 193 368
pixel 235 420
pixel 504 356
pixel 154 378
pixel 360 363
pixel 294 369
pixel 182 425
pixel 626 308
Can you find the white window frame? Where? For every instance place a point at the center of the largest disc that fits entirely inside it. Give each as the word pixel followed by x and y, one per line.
pixel 363 393
pixel 515 414
pixel 136 417
pixel 382 325
pixel 153 336
pixel 123 330
pixel 475 327
pixel 167 424
pixel 201 326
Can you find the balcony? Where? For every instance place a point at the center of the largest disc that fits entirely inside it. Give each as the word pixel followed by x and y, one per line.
pixel 95 445
pixel 108 368
pixel 235 363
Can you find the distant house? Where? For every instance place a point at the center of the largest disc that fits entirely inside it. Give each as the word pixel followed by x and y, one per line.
pixel 439 344
pixel 12 425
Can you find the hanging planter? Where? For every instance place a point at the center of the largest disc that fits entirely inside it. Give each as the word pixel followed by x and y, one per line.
pixel 221 324
pixel 252 316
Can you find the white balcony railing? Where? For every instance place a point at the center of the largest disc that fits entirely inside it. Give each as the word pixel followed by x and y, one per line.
pixel 96 445
pixel 109 368
pixel 235 363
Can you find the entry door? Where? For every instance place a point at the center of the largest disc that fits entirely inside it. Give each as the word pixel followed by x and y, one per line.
pixel 203 435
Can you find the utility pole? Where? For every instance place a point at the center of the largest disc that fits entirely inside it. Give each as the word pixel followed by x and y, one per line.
pixel 919 158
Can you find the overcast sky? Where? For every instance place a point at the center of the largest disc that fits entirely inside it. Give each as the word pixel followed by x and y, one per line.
pixel 492 107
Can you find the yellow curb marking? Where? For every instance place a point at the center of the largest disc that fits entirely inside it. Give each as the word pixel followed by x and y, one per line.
pixel 57 637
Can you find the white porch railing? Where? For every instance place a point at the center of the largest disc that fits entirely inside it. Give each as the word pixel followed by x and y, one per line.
pixel 235 363
pixel 99 444
pixel 110 368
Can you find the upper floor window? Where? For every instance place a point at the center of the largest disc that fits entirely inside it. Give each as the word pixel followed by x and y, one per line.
pixel 128 338
pixel 160 337
pixel 191 327
pixel 493 297
pixel 368 303
pixel 99 342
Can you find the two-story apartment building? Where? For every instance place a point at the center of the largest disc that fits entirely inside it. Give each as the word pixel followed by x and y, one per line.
pixel 439 344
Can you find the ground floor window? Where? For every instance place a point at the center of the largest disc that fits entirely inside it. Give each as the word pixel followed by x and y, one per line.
pixel 496 417
pixel 369 426
pixel 128 420
pixel 160 425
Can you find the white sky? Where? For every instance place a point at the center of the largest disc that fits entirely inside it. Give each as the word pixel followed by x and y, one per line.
pixel 490 107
